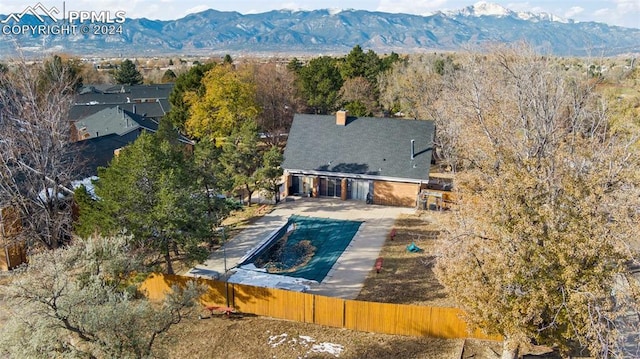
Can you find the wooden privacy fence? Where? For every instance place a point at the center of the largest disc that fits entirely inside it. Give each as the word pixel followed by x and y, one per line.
pixel 13 252
pixel 385 318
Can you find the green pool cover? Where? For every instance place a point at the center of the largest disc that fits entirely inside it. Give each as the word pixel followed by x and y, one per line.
pixel 330 237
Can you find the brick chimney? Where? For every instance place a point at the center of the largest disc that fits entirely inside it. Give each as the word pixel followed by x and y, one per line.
pixel 341 117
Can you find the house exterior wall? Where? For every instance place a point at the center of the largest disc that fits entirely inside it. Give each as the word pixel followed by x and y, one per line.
pixel 288 181
pixel 395 193
pixel 384 192
pixel 314 187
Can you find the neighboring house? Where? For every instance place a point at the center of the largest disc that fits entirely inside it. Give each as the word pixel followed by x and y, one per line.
pixel 100 136
pixel 151 110
pixel 135 93
pixel 105 118
pixel 99 151
pixel 150 101
pixel 381 159
pixel 111 120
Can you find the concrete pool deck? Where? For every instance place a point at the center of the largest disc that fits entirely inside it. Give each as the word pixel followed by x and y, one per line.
pixel 346 277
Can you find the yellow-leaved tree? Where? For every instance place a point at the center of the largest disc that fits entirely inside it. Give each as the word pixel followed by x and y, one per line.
pixel 229 100
pixel 540 245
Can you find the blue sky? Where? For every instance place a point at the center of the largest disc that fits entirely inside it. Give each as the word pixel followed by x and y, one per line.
pixel 613 12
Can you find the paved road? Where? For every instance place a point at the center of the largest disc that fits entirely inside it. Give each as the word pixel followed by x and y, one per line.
pixel 346 277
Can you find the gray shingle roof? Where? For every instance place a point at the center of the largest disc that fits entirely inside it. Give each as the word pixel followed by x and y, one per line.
pixel 147 109
pixel 154 92
pixel 119 94
pixel 112 120
pixel 99 151
pixel 379 147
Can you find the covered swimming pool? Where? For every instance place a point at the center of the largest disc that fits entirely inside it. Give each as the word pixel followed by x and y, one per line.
pixel 305 247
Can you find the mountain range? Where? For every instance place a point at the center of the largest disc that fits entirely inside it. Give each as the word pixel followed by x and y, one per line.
pixel 328 32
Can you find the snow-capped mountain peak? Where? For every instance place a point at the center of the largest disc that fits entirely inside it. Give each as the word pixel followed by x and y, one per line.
pixel 483 8
pixel 546 16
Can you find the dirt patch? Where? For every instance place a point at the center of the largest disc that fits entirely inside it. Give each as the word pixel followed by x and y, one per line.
pixel 5 279
pixel 255 337
pixel 407 277
pixel 245 217
pixel 481 349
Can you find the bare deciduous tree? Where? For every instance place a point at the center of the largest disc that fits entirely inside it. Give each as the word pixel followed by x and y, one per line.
pixel 278 100
pixel 37 162
pixel 415 88
pixel 358 94
pixel 411 87
pixel 550 201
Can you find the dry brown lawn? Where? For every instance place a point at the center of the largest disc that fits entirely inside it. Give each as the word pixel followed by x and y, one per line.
pixel 407 277
pixel 5 279
pixel 255 337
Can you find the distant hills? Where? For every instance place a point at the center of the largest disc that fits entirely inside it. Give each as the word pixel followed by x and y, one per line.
pixel 327 32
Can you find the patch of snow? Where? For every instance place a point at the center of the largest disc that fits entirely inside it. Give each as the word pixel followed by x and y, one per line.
pixel 552 17
pixel 483 8
pixel 527 16
pixel 44 196
pixel 276 340
pixel 334 11
pixel 88 185
pixel 489 9
pixel 331 348
pixel 306 339
pixel 253 267
pixel 260 278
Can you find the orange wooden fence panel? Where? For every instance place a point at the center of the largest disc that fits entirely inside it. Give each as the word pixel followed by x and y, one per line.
pixel 156 286
pixel 216 294
pixel 276 303
pixel 328 311
pixel 386 318
pixel 369 316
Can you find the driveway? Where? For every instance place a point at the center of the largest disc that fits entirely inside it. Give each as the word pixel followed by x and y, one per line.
pixel 347 275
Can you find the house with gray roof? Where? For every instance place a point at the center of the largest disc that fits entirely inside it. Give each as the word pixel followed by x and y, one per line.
pixel 111 120
pixel 150 101
pixel 152 110
pixel 384 160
